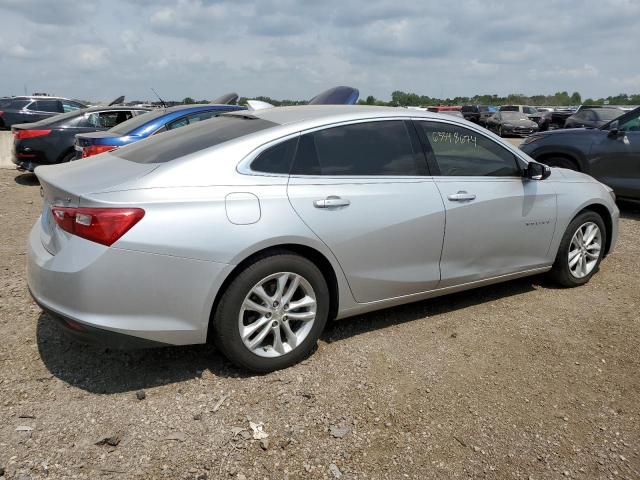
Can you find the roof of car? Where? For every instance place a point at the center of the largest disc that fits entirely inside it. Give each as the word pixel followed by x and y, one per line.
pixel 176 108
pixel 302 113
pixel 37 97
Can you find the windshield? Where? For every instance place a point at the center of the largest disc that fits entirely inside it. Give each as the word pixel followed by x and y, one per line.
pixel 530 110
pixel 137 121
pixel 184 141
pixel 513 116
pixel 608 114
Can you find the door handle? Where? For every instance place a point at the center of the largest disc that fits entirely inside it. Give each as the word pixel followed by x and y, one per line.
pixel 332 201
pixel 461 196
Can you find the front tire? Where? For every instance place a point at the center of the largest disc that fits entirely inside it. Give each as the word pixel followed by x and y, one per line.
pixel 581 250
pixel 272 314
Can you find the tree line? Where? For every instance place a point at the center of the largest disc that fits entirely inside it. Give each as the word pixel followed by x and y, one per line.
pixel 405 99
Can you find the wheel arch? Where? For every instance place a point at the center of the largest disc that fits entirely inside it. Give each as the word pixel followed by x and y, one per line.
pixel 572 156
pixel 605 214
pixel 318 258
pixel 64 153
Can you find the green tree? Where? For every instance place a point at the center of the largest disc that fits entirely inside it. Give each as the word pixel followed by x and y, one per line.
pixel 576 99
pixel 188 101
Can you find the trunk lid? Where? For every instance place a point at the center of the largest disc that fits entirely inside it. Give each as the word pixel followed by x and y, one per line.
pixel 65 184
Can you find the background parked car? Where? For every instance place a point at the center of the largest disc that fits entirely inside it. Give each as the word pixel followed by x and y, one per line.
pixel 531 112
pixel 511 123
pixel 453 113
pixel 592 117
pixel 610 153
pixel 476 113
pixel 15 110
pixel 145 125
pixel 166 119
pixel 52 140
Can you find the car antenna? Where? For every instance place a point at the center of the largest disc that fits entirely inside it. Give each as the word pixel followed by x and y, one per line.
pixel 159 98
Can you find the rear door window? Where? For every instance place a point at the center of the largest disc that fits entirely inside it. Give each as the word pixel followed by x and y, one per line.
pixel 382 148
pixel 47 106
pixel 461 152
pixel 181 122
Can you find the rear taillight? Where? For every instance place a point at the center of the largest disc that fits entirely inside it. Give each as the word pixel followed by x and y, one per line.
pixel 96 149
pixel 22 134
pixel 1 113
pixel 101 225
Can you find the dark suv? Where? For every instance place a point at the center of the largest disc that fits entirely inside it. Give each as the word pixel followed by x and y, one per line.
pixel 32 109
pixel 477 113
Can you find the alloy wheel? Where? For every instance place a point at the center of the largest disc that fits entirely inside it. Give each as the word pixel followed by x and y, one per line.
pixel 277 314
pixel 584 250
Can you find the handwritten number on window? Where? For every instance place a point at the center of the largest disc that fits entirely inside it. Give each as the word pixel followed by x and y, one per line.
pixel 454 138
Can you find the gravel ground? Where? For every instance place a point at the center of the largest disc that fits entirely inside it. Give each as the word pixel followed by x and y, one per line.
pixel 519 380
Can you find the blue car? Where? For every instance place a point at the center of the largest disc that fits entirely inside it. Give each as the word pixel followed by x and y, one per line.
pixel 143 126
pixel 164 119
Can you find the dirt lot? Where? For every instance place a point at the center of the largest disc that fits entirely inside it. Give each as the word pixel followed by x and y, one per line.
pixel 520 380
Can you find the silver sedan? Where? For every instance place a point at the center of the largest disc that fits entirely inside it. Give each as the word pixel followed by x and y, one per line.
pixel 253 229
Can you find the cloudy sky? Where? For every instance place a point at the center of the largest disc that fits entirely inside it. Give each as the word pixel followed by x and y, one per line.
pixel 294 49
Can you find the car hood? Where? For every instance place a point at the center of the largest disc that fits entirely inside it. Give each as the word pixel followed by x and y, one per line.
pixel 570 132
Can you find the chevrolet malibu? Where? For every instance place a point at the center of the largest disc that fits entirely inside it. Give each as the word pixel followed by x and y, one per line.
pixel 253 229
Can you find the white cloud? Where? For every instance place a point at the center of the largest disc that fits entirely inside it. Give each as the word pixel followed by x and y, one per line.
pixel 293 49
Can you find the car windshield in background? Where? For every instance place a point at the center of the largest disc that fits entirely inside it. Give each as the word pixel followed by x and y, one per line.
pixel 174 144
pixel 608 114
pixel 483 108
pixel 530 110
pixel 509 108
pixel 135 122
pixel 514 116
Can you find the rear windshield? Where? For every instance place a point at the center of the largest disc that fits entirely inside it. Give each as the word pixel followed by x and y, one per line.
pixel 509 108
pixel 184 141
pixel 12 103
pixel 483 108
pixel 137 121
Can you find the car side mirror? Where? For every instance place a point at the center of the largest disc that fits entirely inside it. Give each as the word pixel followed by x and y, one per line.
pixel 537 171
pixel 614 131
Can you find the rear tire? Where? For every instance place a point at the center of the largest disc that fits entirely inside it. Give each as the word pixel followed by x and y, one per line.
pixel 562 162
pixel 280 341
pixel 568 269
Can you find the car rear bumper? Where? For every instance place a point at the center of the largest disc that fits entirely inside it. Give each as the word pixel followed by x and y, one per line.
pixel 91 335
pixel 106 293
